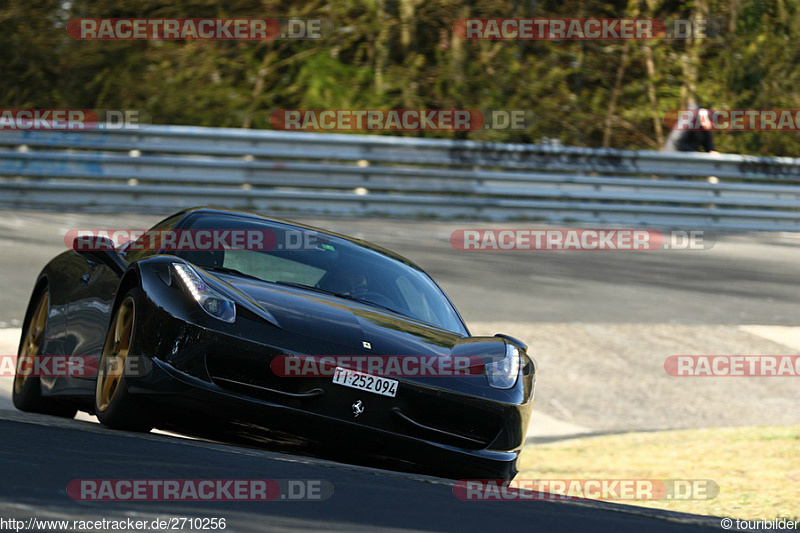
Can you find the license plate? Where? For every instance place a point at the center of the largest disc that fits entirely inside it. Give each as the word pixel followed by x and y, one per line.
pixel 365 382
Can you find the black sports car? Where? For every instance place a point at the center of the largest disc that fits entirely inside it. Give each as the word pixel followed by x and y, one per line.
pixel 196 338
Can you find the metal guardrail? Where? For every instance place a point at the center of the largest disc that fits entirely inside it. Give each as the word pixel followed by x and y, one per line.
pixel 164 168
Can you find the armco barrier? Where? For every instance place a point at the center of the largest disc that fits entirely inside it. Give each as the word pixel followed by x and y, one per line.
pixel 163 168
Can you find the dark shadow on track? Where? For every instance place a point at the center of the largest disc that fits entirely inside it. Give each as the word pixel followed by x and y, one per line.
pixel 41 456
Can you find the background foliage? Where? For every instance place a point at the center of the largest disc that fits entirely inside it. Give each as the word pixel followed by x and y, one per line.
pixel 402 54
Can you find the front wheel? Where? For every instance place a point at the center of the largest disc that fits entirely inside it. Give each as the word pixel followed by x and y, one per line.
pixel 114 406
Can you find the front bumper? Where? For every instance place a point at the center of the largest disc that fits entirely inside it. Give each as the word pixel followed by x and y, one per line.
pixel 188 404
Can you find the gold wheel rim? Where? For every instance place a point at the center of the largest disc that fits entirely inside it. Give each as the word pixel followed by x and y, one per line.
pixel 32 342
pixel 115 353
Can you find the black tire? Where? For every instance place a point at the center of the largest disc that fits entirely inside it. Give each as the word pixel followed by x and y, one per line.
pixel 114 405
pixel 26 392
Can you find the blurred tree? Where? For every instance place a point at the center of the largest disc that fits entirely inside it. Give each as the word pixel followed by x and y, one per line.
pixel 403 54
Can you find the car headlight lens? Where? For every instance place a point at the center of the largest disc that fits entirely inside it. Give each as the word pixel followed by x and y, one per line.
pixel 503 374
pixel 210 300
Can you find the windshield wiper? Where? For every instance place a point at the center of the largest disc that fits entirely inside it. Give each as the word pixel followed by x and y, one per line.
pixel 370 302
pixel 308 287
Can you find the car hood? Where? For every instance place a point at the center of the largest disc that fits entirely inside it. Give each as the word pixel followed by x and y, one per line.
pixel 349 325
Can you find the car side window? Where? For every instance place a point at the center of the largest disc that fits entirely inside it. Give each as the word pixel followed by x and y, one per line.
pixel 140 248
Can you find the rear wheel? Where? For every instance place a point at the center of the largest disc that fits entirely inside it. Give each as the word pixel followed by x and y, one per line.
pixel 114 405
pixel 27 391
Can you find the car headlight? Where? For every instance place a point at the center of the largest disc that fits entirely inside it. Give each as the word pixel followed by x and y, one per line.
pixel 503 374
pixel 210 300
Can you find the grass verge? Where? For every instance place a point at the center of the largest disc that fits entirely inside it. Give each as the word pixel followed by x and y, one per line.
pixel 757 468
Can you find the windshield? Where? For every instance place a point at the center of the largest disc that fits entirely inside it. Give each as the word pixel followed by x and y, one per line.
pixel 304 258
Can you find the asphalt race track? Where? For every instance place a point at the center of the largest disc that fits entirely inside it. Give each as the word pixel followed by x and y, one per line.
pixel 41 455
pixel 744 280
pixel 749 279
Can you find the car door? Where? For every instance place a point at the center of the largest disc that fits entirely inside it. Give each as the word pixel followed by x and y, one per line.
pixel 88 314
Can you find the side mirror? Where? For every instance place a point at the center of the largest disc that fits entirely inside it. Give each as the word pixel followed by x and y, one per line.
pixel 513 340
pixel 101 250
